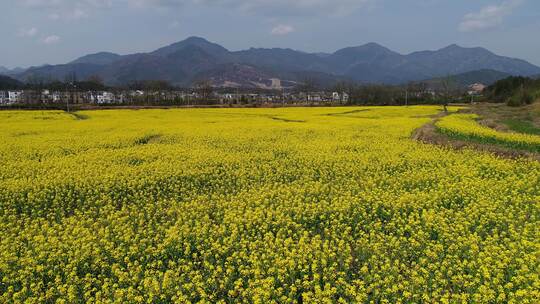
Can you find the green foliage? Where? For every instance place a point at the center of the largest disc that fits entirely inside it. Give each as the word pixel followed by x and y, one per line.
pixel 515 91
pixel 522 126
pixel 410 94
pixel 521 98
pixel 7 83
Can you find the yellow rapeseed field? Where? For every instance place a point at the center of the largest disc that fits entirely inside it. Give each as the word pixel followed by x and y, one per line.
pixel 300 205
pixel 465 126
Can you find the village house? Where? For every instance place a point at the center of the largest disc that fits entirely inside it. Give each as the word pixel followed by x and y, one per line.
pixel 102 98
pixel 345 98
pixel 314 98
pixel 3 96
pixel 14 96
pixel 341 98
pixel 476 89
pixel 120 98
pixel 229 98
pixel 57 97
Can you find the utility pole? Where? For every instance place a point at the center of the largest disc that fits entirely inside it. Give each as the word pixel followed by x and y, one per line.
pixel 67 100
pixel 406 97
pixel 73 92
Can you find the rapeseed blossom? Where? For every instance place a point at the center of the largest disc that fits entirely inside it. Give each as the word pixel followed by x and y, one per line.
pixel 316 205
pixel 465 126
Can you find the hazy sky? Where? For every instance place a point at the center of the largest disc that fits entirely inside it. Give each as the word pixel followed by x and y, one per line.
pixel 35 32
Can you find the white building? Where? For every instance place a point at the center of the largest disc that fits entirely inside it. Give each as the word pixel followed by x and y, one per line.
pixel 120 98
pixel 315 98
pixel 476 89
pixel 56 97
pixel 10 97
pixel 276 84
pixel 3 97
pixel 343 97
pixel 14 96
pixel 104 97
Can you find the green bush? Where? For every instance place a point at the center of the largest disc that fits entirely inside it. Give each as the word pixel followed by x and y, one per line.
pixel 515 91
pixel 520 99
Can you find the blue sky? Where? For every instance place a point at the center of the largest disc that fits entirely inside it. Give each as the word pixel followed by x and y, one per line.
pixel 35 32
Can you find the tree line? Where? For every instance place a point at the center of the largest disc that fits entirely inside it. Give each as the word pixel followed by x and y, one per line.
pixel 514 91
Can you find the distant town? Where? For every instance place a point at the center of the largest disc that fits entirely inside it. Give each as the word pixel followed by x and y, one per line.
pixel 158 93
pixel 174 97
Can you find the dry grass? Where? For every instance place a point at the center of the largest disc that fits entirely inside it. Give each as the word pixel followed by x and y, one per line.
pixel 495 115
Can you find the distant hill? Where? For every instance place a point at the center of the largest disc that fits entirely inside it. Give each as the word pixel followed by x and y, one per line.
pixel 486 77
pixel 455 60
pixel 60 71
pixel 212 49
pixel 7 83
pixel 13 72
pixel 184 62
pixel 103 58
pixel 8 72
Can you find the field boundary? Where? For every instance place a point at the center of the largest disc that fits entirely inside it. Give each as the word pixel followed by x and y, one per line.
pixel 92 107
pixel 429 134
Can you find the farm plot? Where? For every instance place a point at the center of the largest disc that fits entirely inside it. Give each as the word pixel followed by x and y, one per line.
pixel 302 205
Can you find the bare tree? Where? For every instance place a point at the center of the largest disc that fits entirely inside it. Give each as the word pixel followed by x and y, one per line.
pixel 309 84
pixel 71 89
pixel 204 88
pixel 36 84
pixel 448 84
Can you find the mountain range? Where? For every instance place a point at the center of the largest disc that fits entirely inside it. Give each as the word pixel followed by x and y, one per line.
pixel 486 77
pixel 7 83
pixel 193 59
pixel 6 71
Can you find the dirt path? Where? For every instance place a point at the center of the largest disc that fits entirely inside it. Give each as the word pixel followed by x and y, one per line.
pixel 428 134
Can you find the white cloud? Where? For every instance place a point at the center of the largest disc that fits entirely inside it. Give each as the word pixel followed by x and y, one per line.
pixel 282 29
pixel 174 25
pixel 66 10
pixel 488 17
pixel 263 7
pixel 296 7
pixel 66 3
pixel 74 14
pixel 52 39
pixel 30 32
